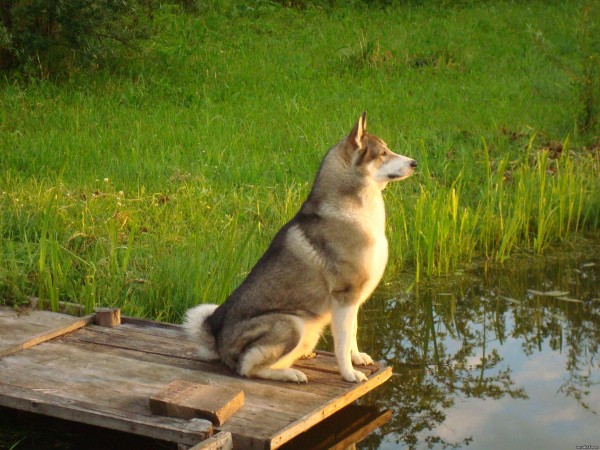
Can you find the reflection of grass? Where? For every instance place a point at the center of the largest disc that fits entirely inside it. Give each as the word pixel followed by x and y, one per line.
pixel 158 184
pixel 459 337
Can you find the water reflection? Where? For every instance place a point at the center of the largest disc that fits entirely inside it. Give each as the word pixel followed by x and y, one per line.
pixel 504 359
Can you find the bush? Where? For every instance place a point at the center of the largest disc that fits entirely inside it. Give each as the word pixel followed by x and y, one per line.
pixel 50 37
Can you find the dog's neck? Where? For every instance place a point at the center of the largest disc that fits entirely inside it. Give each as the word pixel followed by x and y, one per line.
pixel 336 183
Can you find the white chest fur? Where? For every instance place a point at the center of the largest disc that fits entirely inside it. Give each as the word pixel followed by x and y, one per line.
pixel 368 222
pixel 376 255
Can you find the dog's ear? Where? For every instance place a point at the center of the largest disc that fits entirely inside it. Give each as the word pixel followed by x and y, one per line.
pixel 356 135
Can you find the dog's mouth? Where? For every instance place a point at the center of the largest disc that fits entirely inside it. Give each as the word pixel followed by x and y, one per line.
pixel 400 175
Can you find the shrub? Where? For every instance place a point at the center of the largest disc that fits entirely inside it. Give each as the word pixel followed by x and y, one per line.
pixel 50 37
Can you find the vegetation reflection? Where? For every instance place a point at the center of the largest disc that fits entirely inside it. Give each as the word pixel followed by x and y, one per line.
pixel 447 340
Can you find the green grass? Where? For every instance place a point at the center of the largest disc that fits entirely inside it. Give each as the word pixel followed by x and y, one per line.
pixel 157 183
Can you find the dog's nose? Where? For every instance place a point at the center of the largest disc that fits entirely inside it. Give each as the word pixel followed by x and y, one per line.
pixel 413 164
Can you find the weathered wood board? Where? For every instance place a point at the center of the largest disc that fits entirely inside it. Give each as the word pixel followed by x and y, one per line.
pixel 220 441
pixel 23 329
pixel 105 376
pixel 187 400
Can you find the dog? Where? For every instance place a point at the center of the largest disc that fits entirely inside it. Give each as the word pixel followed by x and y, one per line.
pixel 318 270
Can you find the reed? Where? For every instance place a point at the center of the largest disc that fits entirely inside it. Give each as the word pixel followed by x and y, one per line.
pixel 525 205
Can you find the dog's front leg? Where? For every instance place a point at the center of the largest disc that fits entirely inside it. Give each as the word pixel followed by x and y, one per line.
pixel 343 323
pixel 358 358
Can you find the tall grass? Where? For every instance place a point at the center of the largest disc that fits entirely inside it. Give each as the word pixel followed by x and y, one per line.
pixel 158 183
pixel 524 205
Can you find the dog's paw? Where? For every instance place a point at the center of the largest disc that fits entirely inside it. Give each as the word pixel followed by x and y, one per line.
pixel 295 376
pixel 361 359
pixel 354 376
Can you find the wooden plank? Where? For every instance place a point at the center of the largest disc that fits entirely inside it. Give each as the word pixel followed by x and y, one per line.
pixel 19 331
pixel 175 346
pixel 134 328
pixel 108 379
pixel 108 366
pixel 186 400
pixel 13 332
pixel 323 361
pixel 320 383
pixel 151 324
pixel 254 423
pixel 331 407
pixel 156 342
pixel 187 432
pixel 220 441
pixel 114 392
pixel 68 308
pixel 326 362
pixel 46 319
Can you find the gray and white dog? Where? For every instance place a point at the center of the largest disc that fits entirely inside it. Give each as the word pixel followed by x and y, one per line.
pixel 319 269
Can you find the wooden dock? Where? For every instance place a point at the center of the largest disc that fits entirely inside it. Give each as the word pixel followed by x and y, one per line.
pixel 71 368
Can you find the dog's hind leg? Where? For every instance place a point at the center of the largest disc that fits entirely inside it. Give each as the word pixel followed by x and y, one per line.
pixel 271 354
pixel 253 366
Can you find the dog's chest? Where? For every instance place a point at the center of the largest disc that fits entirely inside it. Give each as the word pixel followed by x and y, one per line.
pixel 379 256
pixel 376 254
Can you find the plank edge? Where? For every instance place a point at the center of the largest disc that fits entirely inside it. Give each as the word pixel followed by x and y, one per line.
pixel 47 335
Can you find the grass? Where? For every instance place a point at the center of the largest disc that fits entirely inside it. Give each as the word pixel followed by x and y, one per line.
pixel 156 183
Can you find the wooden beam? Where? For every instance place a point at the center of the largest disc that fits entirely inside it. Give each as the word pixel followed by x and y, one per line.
pixel 107 317
pixel 187 400
pixel 187 432
pixel 325 362
pixel 71 309
pixel 220 441
pixel 330 407
pixel 46 336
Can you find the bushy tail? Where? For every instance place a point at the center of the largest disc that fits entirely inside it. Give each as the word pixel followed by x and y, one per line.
pixel 198 330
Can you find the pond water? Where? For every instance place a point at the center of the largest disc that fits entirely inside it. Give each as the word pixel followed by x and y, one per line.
pixel 499 359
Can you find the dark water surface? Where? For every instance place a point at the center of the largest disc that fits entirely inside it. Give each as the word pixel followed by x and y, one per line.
pixel 506 359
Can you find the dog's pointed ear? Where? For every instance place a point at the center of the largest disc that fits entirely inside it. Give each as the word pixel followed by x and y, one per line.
pixel 356 135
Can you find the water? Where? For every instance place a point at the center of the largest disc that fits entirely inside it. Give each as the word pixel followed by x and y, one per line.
pixel 484 360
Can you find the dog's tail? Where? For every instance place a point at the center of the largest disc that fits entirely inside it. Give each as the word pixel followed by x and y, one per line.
pixel 198 330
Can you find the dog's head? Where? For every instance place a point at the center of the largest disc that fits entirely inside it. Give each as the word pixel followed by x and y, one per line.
pixel 371 157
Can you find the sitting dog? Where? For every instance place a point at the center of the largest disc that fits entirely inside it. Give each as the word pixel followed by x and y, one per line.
pixel 319 269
